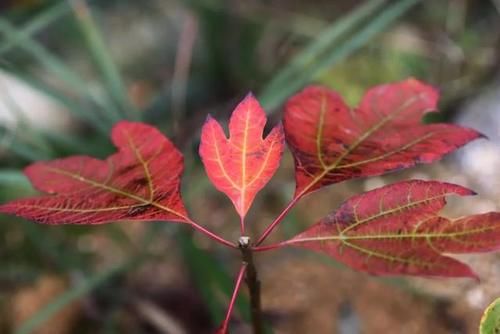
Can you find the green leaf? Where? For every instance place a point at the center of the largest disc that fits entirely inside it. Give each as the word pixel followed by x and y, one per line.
pixel 57 67
pixel 324 42
pixel 13 176
pixel 35 24
pixel 71 104
pixel 490 322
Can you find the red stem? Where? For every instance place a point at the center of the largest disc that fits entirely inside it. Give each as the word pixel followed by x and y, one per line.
pixel 270 247
pixel 212 235
pixel 278 220
pixel 239 280
pixel 242 225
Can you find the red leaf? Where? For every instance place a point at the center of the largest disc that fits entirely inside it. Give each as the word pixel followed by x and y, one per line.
pixel 396 230
pixel 243 164
pixel 139 182
pixel 332 142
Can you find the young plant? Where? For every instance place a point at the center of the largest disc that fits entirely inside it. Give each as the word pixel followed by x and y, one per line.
pixel 392 230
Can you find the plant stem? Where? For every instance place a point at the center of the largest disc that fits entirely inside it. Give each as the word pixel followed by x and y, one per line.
pixel 278 219
pixel 253 283
pixel 239 279
pixel 210 234
pixel 271 247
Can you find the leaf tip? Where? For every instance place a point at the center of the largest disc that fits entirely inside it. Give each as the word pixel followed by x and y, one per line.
pixel 481 135
pixel 449 188
pixel 250 100
pixel 250 95
pixel 473 134
pixel 463 191
pixel 472 275
pixel 209 118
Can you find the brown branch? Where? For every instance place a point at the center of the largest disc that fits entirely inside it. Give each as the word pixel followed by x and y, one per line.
pixel 253 283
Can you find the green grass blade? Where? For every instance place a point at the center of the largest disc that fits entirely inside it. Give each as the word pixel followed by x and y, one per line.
pixel 102 58
pixel 9 141
pixel 39 22
pixel 287 21
pixel 80 290
pixel 324 42
pixel 272 98
pixel 57 67
pixel 13 177
pixel 389 15
pixel 42 55
pixel 24 151
pixel 72 143
pixel 29 133
pixel 71 104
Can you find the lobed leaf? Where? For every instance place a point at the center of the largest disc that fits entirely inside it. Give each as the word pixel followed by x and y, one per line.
pixel 332 142
pixel 243 164
pixel 397 230
pixel 139 182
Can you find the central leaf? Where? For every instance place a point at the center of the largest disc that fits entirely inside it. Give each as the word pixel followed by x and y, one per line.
pixel 243 164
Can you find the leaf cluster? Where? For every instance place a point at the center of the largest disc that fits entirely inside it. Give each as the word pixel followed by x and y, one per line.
pixel 392 230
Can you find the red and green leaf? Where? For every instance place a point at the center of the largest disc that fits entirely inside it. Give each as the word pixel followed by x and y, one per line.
pixel 139 182
pixel 243 164
pixel 397 230
pixel 332 142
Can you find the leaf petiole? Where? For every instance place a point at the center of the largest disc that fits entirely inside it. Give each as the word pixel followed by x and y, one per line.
pixel 239 279
pixel 211 234
pixel 271 247
pixel 278 220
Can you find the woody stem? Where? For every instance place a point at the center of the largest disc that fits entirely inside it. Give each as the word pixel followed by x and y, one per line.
pixel 253 284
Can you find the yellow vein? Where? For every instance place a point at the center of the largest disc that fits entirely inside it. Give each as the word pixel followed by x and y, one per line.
pixel 145 166
pixel 346 238
pixel 244 160
pixel 76 210
pixel 393 210
pixel 219 160
pixel 372 130
pixel 358 142
pixel 263 166
pixel 387 154
pixel 390 258
pixel 116 191
pixel 319 134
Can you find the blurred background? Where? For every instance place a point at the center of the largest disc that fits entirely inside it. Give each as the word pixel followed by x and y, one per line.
pixel 70 69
